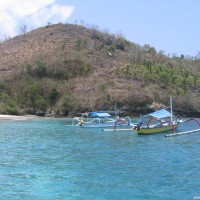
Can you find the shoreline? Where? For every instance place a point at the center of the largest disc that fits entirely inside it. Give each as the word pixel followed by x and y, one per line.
pixel 16 117
pixel 28 117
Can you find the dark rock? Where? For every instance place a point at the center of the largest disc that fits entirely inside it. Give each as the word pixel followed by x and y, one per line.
pixel 40 113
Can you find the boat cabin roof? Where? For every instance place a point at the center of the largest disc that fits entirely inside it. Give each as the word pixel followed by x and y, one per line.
pixel 160 114
pixel 99 114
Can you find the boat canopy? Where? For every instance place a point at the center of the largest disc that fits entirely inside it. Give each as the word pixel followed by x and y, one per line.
pixel 160 114
pixel 100 114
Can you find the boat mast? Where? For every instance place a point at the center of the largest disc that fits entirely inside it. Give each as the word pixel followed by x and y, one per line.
pixel 171 109
pixel 115 110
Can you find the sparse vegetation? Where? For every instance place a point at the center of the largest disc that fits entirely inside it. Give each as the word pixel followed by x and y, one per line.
pixel 66 68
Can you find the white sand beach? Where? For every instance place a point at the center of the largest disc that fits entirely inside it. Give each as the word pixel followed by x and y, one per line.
pixel 16 117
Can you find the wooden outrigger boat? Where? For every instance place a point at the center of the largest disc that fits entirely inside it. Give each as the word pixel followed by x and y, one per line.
pixel 100 119
pixel 162 126
pixel 164 123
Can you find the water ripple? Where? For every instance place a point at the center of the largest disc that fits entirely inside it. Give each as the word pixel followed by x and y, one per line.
pixel 43 159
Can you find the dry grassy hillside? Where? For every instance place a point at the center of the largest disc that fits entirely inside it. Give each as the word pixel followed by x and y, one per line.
pixel 89 69
pixel 54 44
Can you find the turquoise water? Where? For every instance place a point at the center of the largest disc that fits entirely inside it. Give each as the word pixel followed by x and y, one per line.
pixel 45 160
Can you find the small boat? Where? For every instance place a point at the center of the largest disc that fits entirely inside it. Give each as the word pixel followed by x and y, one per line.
pixel 164 123
pixel 160 126
pixel 100 119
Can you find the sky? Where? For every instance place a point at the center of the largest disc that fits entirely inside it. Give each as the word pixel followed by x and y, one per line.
pixel 171 26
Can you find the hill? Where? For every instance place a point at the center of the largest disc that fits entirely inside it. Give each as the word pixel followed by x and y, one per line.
pixel 64 69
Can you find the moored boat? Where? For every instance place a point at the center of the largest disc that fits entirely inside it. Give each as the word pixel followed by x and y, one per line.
pixel 164 122
pixel 157 128
pixel 100 119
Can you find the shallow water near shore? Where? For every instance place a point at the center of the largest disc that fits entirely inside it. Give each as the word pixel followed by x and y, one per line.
pixel 44 159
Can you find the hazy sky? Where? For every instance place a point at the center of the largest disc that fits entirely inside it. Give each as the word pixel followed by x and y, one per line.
pixel 168 25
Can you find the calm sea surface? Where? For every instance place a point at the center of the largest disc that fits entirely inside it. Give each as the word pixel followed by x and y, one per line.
pixel 46 160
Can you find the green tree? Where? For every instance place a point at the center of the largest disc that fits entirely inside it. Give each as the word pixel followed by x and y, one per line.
pixel 53 95
pixel 40 70
pixel 40 103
